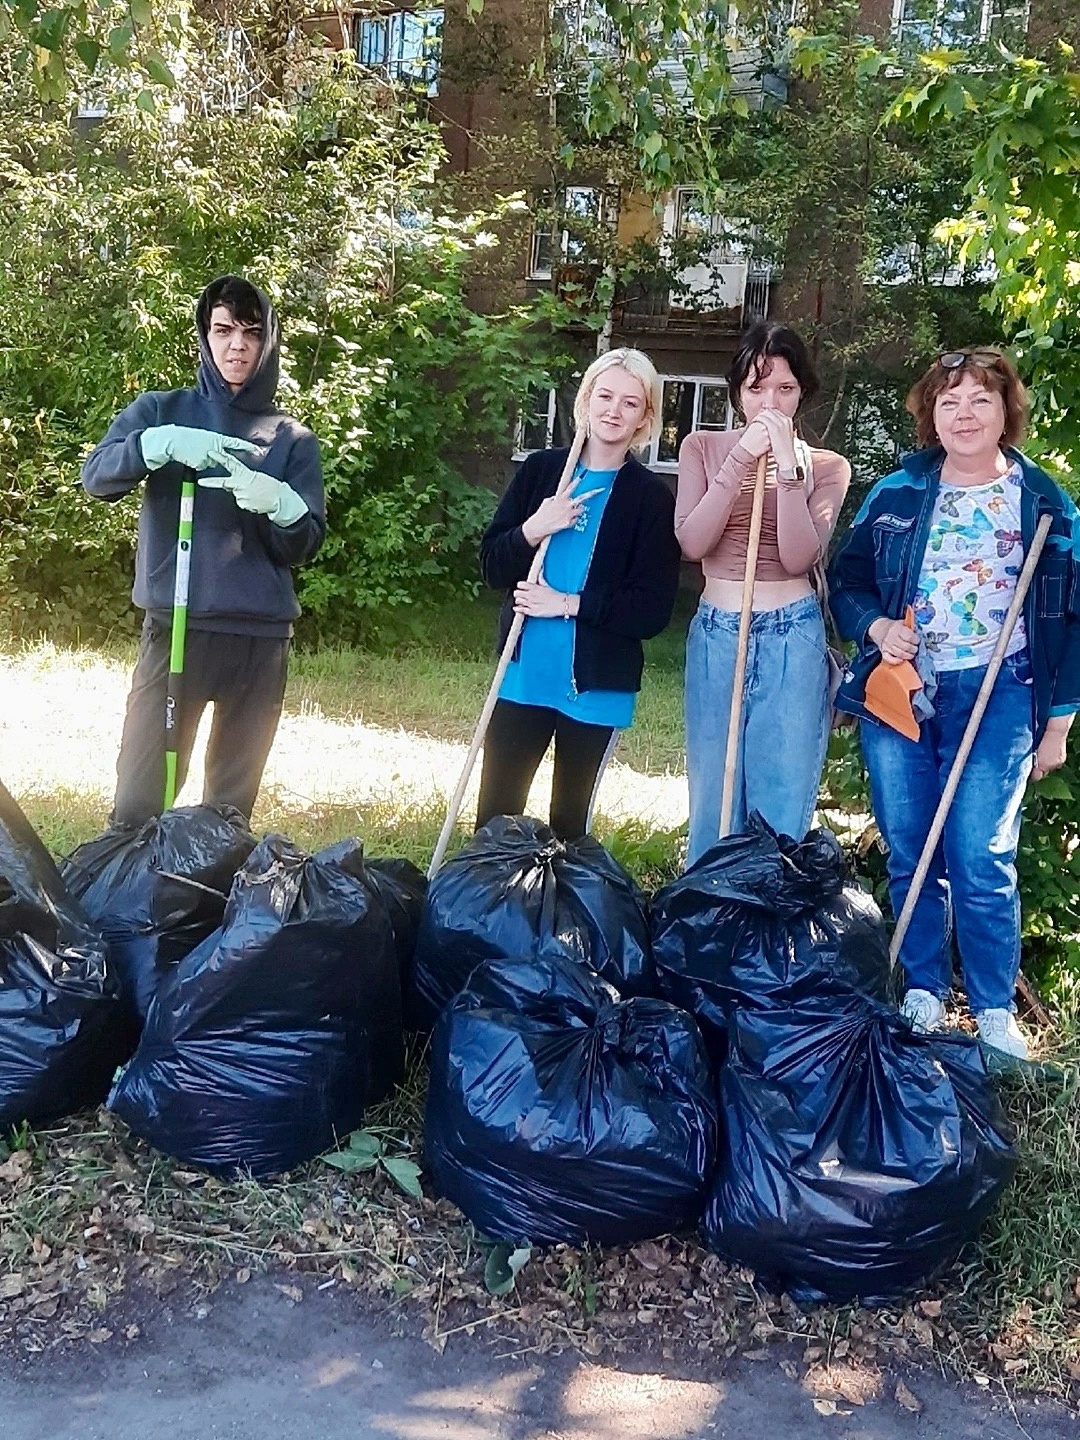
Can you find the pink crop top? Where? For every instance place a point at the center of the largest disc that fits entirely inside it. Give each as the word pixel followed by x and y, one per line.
pixel 712 509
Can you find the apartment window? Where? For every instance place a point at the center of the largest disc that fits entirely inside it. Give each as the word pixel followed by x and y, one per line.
pixel 406 45
pixel 957 24
pixel 690 402
pixel 909 263
pixel 562 237
pixel 584 23
pixel 536 424
pixel 688 218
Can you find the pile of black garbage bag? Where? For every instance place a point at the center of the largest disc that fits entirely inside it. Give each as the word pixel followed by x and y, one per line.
pixel 267 985
pixel 603 1070
pixel 742 1065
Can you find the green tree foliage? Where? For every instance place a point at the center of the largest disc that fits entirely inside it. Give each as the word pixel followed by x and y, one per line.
pixel 59 47
pixel 331 202
pixel 649 96
pixel 1023 212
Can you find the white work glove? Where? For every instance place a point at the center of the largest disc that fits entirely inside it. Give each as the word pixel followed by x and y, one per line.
pixel 255 492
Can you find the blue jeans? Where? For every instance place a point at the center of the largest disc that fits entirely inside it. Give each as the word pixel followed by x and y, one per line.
pixel 972 877
pixel 785 718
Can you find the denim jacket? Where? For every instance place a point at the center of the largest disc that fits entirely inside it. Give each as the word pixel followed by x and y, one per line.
pixel 875 572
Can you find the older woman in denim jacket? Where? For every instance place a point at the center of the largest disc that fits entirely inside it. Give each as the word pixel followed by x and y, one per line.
pixel 947 535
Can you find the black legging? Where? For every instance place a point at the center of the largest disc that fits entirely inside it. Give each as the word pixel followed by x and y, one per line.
pixel 516 740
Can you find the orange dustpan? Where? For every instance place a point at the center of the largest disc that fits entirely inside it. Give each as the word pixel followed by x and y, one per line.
pixel 889 689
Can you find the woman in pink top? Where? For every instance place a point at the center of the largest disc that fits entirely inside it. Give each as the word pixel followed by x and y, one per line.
pixel 785 718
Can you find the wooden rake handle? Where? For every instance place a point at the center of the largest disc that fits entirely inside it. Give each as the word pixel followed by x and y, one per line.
pixel 454 808
pixel 731 754
pixel 982 700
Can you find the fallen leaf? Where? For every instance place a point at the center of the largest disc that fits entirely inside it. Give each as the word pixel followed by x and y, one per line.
pixel 983 1380
pixel 930 1308
pixel 291 1292
pixel 15 1166
pixel 829 1407
pixel 243 1275
pixel 649 1255
pixel 903 1396
pixel 11 1285
pixel 98 1337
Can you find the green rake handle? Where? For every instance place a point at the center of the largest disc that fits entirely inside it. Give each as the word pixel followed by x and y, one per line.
pixel 179 635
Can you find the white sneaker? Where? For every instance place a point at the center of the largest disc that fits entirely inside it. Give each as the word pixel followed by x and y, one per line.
pixel 923 1010
pixel 999 1030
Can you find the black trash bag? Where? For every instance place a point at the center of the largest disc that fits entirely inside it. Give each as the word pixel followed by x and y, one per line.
pixel 62 1031
pixel 760 921
pixel 859 1157
pixel 403 889
pixel 558 1112
pixel 265 1044
pixel 158 890
pixel 517 890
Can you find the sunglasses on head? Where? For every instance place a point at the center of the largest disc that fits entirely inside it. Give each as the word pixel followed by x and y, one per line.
pixel 957 359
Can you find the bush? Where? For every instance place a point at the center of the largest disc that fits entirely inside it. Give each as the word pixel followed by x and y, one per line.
pixel 330 203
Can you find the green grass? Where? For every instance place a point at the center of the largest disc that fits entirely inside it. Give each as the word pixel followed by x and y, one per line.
pixel 435 684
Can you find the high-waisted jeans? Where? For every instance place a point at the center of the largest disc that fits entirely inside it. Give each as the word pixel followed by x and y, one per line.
pixel 972 877
pixel 785 718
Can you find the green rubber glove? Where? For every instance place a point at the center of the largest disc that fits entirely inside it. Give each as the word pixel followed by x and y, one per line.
pixel 253 491
pixel 186 445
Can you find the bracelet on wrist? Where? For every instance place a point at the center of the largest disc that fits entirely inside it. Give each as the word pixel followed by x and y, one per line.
pixel 566 607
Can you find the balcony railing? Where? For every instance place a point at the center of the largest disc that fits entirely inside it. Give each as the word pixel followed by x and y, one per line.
pixel 652 306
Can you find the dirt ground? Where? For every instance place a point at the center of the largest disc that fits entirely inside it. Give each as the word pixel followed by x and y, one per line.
pixel 252 1364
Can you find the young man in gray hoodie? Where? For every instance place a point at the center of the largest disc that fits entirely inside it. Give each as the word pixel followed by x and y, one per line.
pixel 259 511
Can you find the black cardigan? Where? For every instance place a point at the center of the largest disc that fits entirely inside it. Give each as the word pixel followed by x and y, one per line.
pixel 633 577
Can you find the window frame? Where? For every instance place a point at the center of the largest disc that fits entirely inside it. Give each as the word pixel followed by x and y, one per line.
pixel 990 12
pixel 700 382
pixel 520 451
pixel 559 238
pixel 648 457
pixel 423 70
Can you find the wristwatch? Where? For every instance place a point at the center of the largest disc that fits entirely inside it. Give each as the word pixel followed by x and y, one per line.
pixel 792 478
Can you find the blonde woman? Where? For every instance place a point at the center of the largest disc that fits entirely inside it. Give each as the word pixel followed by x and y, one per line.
pixel 609 582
